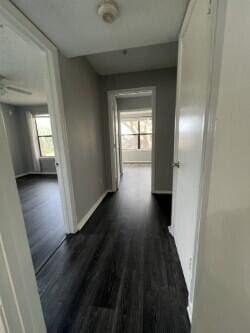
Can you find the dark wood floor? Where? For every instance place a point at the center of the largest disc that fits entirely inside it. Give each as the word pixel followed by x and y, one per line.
pixel 41 207
pixel 121 273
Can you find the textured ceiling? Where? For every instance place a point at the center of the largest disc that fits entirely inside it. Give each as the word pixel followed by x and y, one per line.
pixel 76 29
pixel 135 59
pixel 23 66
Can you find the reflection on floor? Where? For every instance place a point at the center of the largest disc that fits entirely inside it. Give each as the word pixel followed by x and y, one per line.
pixel 121 273
pixel 41 207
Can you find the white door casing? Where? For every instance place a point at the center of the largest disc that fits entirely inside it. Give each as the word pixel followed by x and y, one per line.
pixel 194 66
pixel 10 314
pixel 18 283
pixel 20 304
pixel 19 24
pixel 114 141
pixel 114 130
pixel 117 142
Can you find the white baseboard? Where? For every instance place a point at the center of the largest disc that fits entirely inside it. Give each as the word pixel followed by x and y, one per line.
pixel 110 191
pixel 171 231
pixel 190 311
pixel 137 162
pixel 22 174
pixel 91 211
pixel 162 192
pixel 42 173
pixel 35 173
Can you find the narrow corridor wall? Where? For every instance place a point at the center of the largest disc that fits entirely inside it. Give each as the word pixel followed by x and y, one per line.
pixel 80 87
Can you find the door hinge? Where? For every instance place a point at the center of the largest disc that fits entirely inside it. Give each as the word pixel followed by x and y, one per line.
pixel 209 11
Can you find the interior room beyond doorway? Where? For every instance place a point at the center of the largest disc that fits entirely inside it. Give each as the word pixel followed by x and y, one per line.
pixel 24 108
pixel 135 116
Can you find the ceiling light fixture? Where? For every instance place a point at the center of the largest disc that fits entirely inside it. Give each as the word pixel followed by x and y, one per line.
pixel 108 10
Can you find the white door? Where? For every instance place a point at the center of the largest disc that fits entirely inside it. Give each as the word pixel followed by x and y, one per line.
pixel 120 143
pixel 192 94
pixel 117 142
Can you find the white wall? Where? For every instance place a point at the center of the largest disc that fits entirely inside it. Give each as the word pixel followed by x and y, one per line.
pixel 130 156
pixel 222 297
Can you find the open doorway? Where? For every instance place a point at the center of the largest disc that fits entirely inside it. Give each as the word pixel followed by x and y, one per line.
pixel 24 107
pixel 32 150
pixel 131 115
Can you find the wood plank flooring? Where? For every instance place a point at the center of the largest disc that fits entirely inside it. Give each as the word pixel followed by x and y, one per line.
pixel 121 273
pixel 42 212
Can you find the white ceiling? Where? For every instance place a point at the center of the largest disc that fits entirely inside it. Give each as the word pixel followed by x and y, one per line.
pixel 23 66
pixel 136 59
pixel 75 28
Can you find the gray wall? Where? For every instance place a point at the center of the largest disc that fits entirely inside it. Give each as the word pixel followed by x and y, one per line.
pixel 80 87
pixel 35 109
pixel 134 103
pixel 165 82
pixel 18 138
pixel 47 164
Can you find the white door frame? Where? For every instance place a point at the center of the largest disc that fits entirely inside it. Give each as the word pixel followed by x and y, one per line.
pixel 208 133
pixel 130 93
pixel 14 19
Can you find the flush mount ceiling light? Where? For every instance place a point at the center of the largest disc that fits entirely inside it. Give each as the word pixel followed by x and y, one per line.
pixel 108 10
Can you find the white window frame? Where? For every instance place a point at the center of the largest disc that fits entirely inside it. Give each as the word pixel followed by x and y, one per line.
pixel 43 136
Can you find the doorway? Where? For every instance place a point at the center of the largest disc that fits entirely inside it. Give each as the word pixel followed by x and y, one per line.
pixel 29 133
pixel 37 171
pixel 27 122
pixel 132 134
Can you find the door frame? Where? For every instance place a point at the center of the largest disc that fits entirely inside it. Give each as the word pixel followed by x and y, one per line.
pixel 209 126
pixel 18 23
pixel 111 94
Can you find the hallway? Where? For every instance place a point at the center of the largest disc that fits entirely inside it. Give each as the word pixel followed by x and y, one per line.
pixel 121 272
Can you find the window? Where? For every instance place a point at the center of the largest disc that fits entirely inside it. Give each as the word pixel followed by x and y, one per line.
pixel 136 134
pixel 44 135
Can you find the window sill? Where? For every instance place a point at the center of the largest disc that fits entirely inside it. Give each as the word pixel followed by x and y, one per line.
pixel 137 150
pixel 46 157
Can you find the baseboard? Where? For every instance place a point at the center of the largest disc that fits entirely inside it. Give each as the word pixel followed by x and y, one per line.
pixel 171 231
pixel 138 162
pixel 35 173
pixel 111 191
pixel 42 173
pixel 162 192
pixel 22 175
pixel 190 311
pixel 91 211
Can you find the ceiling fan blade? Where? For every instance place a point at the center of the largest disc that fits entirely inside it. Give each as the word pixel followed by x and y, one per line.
pixel 19 90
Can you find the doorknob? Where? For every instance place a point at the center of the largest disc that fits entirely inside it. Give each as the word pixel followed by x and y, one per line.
pixel 176 164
